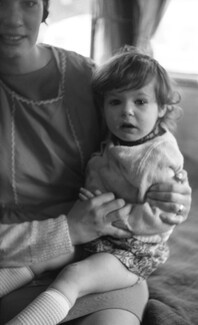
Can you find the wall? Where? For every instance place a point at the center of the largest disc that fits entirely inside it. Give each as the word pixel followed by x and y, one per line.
pixel 187 132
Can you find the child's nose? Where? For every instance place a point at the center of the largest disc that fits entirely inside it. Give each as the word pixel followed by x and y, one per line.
pixel 128 108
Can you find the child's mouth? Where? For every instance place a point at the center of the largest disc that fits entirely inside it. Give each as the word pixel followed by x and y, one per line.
pixel 126 126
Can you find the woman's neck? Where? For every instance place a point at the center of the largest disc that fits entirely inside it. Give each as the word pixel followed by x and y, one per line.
pixel 32 61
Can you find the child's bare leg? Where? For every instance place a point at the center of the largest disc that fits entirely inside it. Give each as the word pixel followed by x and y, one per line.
pixel 14 278
pixel 98 273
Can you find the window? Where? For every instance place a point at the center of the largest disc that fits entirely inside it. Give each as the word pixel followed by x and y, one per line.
pixel 68 26
pixel 175 43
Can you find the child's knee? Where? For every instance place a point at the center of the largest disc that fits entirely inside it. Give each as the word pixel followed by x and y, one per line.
pixel 69 282
pixel 71 272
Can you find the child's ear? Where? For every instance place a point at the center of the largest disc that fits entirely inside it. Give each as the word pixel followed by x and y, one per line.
pixel 162 111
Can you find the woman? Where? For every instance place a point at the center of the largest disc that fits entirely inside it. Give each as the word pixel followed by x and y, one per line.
pixel 49 128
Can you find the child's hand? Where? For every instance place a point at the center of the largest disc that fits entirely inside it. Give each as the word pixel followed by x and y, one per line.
pixel 85 194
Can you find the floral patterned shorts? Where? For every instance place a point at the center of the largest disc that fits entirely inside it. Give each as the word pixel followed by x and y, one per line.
pixel 139 257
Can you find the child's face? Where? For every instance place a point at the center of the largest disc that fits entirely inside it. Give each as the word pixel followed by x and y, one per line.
pixel 132 114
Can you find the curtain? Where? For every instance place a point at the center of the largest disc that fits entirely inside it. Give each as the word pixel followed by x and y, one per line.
pixel 119 22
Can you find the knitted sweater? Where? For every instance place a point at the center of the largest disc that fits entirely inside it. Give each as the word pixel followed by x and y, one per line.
pixel 129 172
pixel 44 148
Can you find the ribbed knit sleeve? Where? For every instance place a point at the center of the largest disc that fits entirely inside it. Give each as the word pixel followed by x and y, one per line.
pixel 35 241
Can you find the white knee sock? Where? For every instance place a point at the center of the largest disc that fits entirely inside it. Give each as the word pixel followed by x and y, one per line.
pixel 13 278
pixel 49 308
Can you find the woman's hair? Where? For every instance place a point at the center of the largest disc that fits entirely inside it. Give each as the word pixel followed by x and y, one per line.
pixel 129 69
pixel 45 9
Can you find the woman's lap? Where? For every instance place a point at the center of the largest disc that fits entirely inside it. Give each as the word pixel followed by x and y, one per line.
pixel 97 306
pixel 106 317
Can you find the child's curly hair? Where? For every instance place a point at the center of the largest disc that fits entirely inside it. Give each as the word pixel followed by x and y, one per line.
pixel 130 68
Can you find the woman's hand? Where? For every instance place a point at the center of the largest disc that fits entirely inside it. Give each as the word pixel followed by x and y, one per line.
pixel 172 197
pixel 95 217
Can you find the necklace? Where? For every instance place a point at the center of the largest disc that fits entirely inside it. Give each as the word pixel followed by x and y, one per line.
pixel 157 131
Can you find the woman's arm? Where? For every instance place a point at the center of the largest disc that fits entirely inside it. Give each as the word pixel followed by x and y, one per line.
pixel 32 242
pixel 25 243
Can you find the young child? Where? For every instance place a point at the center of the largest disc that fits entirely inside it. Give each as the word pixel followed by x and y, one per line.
pixel 139 107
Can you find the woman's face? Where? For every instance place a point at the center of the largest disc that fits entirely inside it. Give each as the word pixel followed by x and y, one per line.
pixel 19 26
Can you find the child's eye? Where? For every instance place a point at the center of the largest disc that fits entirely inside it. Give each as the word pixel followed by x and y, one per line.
pixel 140 102
pixel 114 102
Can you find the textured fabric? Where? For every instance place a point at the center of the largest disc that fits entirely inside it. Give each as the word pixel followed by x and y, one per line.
pixel 35 84
pixel 13 278
pixel 50 308
pixel 129 171
pixel 46 146
pixel 131 299
pixel 140 258
pixel 19 241
pixel 157 313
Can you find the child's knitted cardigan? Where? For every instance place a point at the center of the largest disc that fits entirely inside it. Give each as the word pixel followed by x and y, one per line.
pixel 129 172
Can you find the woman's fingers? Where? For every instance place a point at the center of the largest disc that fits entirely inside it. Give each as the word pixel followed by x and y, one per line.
pixel 85 194
pixel 119 217
pixel 169 197
pixel 168 192
pixel 83 197
pixel 107 203
pixel 90 219
pixel 97 192
pixel 173 220
pixel 119 222
pixel 181 176
pixel 170 188
pixel 167 206
pixel 119 233
pixel 110 211
pixel 174 198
